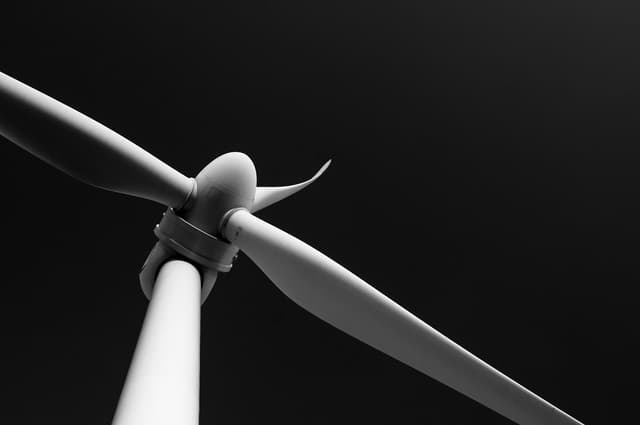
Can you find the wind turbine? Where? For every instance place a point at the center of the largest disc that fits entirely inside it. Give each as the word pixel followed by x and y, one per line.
pixel 208 220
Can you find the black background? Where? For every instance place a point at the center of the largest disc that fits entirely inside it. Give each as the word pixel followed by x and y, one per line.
pixel 485 176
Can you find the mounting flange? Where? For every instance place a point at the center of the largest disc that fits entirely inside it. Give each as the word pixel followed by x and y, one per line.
pixel 179 238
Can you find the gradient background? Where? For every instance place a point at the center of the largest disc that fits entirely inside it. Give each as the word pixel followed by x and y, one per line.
pixel 485 176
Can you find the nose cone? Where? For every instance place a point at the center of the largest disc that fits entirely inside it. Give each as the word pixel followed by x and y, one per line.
pixel 228 182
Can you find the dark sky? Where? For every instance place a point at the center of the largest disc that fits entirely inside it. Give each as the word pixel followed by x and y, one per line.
pixel 485 176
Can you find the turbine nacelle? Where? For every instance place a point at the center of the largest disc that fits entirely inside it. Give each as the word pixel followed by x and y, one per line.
pixel 227 183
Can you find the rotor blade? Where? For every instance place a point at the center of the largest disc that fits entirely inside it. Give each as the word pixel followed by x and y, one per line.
pixel 334 294
pixel 84 148
pixel 266 196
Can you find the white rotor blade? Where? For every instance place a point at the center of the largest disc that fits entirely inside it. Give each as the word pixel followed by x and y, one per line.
pixel 334 294
pixel 84 148
pixel 266 195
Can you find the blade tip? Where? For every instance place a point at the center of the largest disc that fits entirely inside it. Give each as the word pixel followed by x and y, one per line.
pixel 325 166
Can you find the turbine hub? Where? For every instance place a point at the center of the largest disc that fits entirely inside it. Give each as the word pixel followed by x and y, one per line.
pixel 227 183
